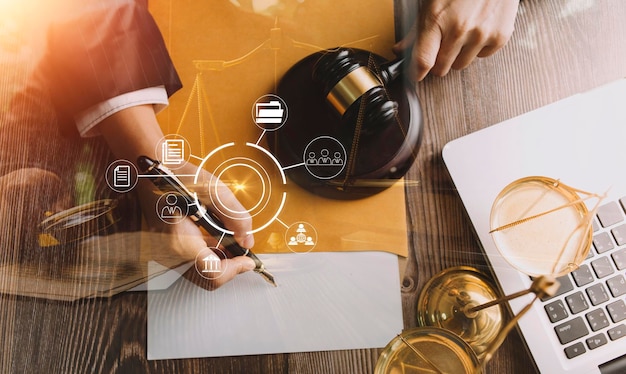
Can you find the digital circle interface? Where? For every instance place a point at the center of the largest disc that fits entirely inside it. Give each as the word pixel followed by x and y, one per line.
pixel 254 177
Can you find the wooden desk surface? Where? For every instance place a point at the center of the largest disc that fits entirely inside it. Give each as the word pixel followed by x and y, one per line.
pixel 559 48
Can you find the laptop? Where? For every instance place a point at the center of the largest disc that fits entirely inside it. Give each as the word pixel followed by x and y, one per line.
pixel 580 140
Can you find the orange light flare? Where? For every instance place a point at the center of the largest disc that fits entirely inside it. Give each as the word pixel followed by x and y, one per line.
pixel 24 19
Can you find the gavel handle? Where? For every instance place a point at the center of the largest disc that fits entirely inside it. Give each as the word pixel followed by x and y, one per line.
pixel 391 70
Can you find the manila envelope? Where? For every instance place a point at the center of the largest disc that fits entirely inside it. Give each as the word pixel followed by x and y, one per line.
pixel 229 53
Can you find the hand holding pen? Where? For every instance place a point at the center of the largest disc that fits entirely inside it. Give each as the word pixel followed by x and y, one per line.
pixel 166 181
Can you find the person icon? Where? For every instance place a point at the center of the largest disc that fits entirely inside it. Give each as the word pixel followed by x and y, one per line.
pixel 292 241
pixel 337 160
pixel 309 241
pixel 300 237
pixel 324 158
pixel 171 209
pixel 312 160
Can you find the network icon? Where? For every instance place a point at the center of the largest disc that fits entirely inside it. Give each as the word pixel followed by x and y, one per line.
pixel 251 172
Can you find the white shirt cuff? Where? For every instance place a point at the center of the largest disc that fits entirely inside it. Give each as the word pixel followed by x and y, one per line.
pixel 87 120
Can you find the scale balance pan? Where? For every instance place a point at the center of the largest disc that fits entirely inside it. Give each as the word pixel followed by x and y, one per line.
pixel 334 155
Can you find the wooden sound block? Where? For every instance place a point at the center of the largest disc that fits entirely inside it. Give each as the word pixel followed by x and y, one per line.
pixel 335 160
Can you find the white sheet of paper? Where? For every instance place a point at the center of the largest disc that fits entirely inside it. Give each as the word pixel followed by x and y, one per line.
pixel 324 301
pixel 165 278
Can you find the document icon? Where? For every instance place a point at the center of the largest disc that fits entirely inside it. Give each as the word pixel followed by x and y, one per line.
pixel 173 151
pixel 121 176
pixel 271 112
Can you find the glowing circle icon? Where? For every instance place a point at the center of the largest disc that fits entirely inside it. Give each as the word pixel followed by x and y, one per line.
pixel 256 181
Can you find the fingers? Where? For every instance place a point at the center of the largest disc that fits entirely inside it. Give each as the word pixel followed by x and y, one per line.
pixel 245 240
pixel 422 59
pixel 407 42
pixel 187 240
pixel 451 34
pixel 426 52
pixel 490 49
pixel 232 267
pixel 478 44
pixel 238 218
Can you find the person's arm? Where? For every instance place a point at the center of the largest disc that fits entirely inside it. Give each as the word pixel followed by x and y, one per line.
pixel 101 51
pixel 450 34
pixel 104 54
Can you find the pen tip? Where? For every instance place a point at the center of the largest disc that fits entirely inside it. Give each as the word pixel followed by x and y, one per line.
pixel 268 277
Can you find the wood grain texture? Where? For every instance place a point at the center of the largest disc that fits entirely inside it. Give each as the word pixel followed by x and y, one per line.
pixel 559 48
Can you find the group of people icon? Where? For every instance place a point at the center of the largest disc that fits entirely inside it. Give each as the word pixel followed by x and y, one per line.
pixel 324 158
pixel 301 237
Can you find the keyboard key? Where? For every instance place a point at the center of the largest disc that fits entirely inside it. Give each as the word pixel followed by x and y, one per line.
pixel 617 285
pixel 617 332
pixel 594 226
pixel 610 214
pixel 602 242
pixel 596 341
pixel 617 310
pixel 619 258
pixel 597 294
pixel 565 286
pixel 571 330
pixel 577 302
pixel 582 275
pixel 602 267
pixel 597 319
pixel 622 202
pixel 619 234
pixel 575 350
pixel 556 311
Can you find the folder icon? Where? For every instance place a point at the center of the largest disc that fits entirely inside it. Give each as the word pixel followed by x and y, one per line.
pixel 271 112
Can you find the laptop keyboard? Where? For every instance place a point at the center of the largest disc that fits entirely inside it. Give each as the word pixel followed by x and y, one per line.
pixel 589 310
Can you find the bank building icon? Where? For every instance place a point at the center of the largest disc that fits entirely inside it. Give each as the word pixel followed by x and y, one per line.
pixel 211 264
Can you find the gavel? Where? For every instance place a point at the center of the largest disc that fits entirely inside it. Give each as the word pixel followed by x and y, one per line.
pixel 356 101
pixel 355 90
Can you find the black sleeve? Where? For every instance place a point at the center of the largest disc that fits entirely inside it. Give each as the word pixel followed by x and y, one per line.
pixel 111 48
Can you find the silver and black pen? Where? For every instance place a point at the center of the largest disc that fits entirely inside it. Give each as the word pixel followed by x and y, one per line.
pixel 166 181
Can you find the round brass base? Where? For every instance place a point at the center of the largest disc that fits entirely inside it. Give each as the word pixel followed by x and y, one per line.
pixel 446 298
pixel 427 350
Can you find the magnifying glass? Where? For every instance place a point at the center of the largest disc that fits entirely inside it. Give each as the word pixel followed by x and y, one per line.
pixel 79 223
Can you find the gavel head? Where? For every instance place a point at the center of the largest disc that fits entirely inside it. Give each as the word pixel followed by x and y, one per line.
pixel 347 102
pixel 356 90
